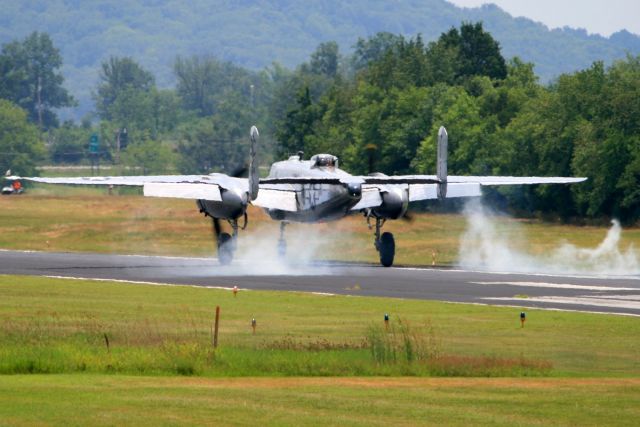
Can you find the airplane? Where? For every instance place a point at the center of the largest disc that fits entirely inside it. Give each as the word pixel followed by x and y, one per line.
pixel 314 190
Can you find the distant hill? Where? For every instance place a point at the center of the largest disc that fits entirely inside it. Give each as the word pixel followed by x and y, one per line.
pixel 256 33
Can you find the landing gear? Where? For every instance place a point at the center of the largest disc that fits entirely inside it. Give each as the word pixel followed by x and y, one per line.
pixel 282 243
pixel 225 248
pixel 226 243
pixel 385 244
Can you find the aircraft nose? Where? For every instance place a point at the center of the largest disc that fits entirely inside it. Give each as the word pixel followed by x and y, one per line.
pixel 355 189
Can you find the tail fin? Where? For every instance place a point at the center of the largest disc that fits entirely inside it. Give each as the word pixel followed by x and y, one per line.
pixel 441 165
pixel 254 177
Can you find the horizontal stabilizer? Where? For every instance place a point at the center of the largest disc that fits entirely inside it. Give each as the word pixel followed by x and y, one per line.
pixel 276 199
pixel 183 191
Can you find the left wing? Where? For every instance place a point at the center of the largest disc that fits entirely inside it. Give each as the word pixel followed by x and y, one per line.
pixel 205 187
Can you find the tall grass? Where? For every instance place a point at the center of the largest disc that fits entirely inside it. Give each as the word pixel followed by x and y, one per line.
pixel 181 345
pixel 400 342
pixel 418 351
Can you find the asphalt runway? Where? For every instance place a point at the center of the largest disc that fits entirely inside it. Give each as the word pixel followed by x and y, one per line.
pixel 620 295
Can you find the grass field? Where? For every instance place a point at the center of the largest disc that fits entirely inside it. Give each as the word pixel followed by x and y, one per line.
pixel 86 219
pixel 111 400
pixel 309 362
pixel 59 326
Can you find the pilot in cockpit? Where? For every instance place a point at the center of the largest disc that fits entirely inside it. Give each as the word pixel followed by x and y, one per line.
pixel 324 161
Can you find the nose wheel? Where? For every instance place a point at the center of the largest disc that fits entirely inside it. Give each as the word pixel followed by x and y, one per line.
pixel 282 243
pixel 385 244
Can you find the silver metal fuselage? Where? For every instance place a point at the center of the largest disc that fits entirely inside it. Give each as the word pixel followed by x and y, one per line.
pixel 317 202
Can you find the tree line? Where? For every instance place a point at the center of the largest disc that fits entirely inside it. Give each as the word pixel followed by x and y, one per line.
pixel 378 110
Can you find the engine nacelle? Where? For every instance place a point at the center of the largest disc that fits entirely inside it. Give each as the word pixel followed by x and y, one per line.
pixel 395 202
pixel 232 206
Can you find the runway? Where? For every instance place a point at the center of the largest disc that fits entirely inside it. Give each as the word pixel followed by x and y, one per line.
pixel 620 295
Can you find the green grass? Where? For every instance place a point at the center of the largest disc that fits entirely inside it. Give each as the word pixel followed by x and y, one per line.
pixel 87 219
pixel 120 400
pixel 58 326
pixel 311 361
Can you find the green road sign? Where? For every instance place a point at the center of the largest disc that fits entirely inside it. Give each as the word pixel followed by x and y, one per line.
pixel 94 143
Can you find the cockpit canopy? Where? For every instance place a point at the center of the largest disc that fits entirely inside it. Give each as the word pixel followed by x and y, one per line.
pixel 324 160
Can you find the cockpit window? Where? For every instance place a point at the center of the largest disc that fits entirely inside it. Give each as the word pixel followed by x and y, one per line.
pixel 324 160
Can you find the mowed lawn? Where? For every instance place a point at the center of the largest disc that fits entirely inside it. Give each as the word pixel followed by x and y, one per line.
pixel 120 400
pixel 87 219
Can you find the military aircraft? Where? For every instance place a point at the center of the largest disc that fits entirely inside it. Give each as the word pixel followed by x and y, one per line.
pixel 313 190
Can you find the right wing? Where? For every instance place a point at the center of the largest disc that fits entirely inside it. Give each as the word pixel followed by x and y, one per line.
pixel 425 187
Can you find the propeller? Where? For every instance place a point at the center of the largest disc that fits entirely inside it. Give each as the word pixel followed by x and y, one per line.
pixel 239 171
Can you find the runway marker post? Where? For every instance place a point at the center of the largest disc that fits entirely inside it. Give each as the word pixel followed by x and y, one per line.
pixel 386 321
pixel 235 291
pixel 215 327
pixel 253 325
pixel 523 317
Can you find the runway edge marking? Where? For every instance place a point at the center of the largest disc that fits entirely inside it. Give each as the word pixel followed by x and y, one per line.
pixel 141 282
pixel 134 282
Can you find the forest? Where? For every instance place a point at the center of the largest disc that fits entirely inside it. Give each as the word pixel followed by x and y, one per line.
pixel 255 33
pixel 377 108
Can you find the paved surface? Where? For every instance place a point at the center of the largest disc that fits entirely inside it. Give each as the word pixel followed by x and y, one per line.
pixel 596 294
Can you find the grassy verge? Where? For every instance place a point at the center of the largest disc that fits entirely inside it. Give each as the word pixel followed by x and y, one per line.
pixel 87 219
pixel 62 326
pixel 111 400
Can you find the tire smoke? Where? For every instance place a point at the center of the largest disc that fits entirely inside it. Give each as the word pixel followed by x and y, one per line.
pixel 484 247
pixel 257 253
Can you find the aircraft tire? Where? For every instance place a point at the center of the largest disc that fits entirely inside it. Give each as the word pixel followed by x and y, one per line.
pixel 282 248
pixel 387 249
pixel 225 249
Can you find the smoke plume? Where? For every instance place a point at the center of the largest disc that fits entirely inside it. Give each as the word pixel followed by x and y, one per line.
pixel 484 247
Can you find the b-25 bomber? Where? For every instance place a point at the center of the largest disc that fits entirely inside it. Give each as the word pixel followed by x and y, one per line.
pixel 314 190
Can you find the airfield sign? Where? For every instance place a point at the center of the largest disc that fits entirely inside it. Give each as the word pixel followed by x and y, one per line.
pixel 94 143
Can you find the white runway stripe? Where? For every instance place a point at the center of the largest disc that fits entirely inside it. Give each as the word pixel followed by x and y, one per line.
pixel 592 302
pixel 558 286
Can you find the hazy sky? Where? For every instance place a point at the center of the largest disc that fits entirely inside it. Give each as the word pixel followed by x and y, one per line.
pixel 596 16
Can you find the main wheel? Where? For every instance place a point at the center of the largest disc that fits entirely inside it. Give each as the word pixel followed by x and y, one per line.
pixel 387 249
pixel 225 249
pixel 282 248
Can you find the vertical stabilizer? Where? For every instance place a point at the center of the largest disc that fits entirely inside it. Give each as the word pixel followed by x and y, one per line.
pixel 254 178
pixel 441 165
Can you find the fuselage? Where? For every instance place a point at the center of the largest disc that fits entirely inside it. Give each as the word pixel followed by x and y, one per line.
pixel 316 201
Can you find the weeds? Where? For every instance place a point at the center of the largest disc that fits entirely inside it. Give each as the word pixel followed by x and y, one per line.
pixel 400 342
pixel 418 350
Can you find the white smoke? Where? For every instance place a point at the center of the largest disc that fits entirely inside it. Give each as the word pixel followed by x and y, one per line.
pixel 484 246
pixel 257 252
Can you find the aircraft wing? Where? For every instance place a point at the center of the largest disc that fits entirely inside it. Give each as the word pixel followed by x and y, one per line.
pixel 205 187
pixel 425 187
pixel 513 180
